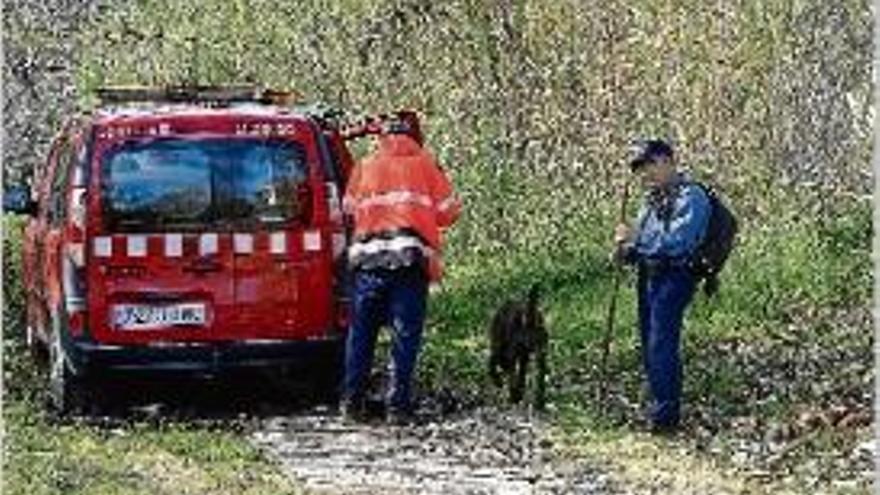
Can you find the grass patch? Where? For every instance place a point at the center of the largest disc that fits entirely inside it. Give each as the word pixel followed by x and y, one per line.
pixel 47 457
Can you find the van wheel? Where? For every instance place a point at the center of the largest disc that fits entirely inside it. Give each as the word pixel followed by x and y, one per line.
pixel 326 387
pixel 66 388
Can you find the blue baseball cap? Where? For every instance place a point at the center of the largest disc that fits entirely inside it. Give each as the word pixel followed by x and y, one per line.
pixel 650 150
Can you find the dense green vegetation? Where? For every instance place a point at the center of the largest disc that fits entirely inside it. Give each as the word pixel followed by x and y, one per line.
pixel 532 106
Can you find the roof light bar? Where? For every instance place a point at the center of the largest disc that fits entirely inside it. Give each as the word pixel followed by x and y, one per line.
pixel 195 94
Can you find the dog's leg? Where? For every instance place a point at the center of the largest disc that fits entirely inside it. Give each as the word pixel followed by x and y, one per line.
pixel 495 367
pixel 540 377
pixel 518 382
pixel 497 349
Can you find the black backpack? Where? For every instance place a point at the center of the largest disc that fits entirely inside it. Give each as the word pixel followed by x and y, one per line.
pixel 717 243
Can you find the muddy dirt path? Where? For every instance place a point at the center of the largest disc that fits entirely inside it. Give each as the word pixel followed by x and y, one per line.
pixel 481 451
pixel 460 445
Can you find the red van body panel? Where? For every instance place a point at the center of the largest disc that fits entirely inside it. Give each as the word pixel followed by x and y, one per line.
pixel 229 281
pixel 257 283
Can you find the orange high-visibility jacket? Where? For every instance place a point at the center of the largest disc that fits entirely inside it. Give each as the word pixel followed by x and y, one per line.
pixel 401 186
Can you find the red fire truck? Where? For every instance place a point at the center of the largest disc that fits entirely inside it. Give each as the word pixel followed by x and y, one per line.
pixel 188 229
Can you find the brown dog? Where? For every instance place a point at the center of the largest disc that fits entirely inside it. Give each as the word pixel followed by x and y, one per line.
pixel 517 333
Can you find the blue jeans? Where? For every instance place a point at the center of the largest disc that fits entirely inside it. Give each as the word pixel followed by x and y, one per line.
pixel 663 297
pixel 383 296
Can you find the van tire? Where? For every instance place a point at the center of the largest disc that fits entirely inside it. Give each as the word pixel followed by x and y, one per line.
pixel 327 387
pixel 66 388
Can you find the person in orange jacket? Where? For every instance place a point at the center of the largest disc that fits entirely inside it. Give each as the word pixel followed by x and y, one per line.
pixel 400 202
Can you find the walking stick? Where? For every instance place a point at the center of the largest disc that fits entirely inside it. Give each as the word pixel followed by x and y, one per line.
pixel 612 310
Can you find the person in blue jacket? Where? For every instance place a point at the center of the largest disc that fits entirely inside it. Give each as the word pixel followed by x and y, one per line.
pixel 661 243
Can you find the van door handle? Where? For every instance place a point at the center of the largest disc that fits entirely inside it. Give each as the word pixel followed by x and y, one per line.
pixel 203 266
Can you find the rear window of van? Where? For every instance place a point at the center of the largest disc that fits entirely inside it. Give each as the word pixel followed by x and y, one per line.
pixel 194 185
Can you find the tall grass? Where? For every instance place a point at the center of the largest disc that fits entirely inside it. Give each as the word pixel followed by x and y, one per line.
pixel 559 89
pixel 531 106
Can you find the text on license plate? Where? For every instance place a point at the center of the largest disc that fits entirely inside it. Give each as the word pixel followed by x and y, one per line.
pixel 142 316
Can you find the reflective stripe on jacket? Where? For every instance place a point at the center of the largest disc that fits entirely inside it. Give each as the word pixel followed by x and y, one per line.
pixel 391 251
pixel 400 186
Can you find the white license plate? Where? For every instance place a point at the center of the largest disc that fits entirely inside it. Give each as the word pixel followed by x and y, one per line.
pixel 144 316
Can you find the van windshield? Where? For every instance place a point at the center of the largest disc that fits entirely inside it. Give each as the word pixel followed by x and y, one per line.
pixel 186 184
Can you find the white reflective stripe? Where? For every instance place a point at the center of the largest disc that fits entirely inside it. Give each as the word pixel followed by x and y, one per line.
pixel 395 197
pixel 278 243
pixel 208 244
pixel 173 245
pixel 312 240
pixel 447 203
pixel 396 244
pixel 69 279
pixel 136 246
pixel 244 243
pixel 338 244
pixel 103 246
pixel 78 206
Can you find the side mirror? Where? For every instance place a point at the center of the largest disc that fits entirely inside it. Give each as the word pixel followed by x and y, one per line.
pixel 17 199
